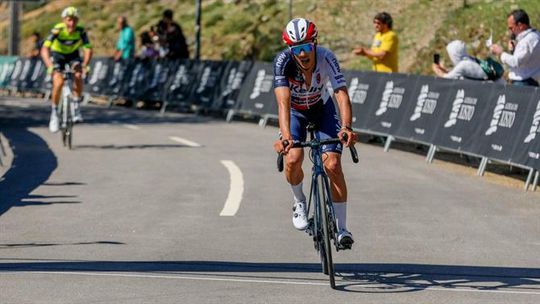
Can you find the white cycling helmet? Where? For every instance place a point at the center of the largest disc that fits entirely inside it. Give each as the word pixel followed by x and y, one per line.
pixel 70 12
pixel 299 30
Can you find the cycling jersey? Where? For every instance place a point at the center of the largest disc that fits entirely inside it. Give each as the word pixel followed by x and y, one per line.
pixel 287 74
pixel 60 41
pixel 311 104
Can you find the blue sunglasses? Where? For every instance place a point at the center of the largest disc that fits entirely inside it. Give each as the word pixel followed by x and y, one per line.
pixel 306 47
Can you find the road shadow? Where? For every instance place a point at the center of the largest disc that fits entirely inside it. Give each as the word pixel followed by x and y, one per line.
pixel 38 114
pixel 33 163
pixel 126 147
pixel 351 277
pixel 30 245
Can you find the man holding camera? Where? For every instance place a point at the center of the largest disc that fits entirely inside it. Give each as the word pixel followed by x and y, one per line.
pixel 524 61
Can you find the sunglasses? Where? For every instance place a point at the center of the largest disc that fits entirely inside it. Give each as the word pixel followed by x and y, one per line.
pixel 306 48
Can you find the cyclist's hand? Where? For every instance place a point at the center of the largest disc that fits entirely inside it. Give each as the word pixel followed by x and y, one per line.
pixel 85 70
pixel 50 70
pixel 351 137
pixel 283 145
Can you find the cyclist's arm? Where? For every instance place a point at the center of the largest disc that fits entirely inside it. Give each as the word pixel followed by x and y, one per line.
pixel 87 48
pixel 345 111
pixel 46 47
pixel 87 55
pixel 283 98
pixel 46 56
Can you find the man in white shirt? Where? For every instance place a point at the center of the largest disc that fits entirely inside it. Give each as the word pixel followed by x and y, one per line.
pixel 524 61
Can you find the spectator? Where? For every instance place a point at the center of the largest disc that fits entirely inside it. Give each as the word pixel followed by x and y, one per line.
pixel 384 49
pixel 36 45
pixel 523 58
pixel 125 46
pixel 171 36
pixel 465 66
pixel 148 48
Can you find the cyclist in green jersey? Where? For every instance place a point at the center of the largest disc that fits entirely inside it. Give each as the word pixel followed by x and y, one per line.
pixel 60 48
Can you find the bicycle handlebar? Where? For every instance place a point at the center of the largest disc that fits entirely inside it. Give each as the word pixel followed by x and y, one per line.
pixel 313 144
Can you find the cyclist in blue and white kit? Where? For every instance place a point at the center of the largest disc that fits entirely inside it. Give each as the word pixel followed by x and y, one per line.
pixel 300 75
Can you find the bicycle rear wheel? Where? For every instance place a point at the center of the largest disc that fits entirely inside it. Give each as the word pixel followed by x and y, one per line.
pixel 325 245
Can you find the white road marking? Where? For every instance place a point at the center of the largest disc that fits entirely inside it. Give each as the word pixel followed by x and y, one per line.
pixel 285 282
pixel 236 189
pixel 184 141
pixel 132 127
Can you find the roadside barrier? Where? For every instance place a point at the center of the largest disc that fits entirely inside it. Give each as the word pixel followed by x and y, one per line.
pixel 494 122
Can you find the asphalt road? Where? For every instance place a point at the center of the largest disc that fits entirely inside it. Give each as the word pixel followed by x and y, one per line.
pixel 132 215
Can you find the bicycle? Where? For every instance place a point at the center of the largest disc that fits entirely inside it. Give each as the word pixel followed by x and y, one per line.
pixel 322 221
pixel 65 111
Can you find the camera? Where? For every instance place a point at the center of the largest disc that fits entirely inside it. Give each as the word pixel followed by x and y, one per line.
pixel 436 58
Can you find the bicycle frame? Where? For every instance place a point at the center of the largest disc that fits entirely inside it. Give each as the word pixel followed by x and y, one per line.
pixel 65 108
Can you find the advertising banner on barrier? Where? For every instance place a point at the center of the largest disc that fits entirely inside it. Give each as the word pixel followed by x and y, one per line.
pixel 506 115
pixel 207 82
pixel 137 81
pixel 229 85
pixel 364 89
pixel 7 65
pixel 466 110
pixel 527 144
pixel 257 93
pixel 424 112
pixel 397 95
pixel 97 82
pixel 16 73
pixel 181 83
pixel 160 72
pixel 37 76
pixel 119 71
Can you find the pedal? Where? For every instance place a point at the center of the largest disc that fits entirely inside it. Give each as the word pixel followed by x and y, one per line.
pixel 345 244
pixel 309 229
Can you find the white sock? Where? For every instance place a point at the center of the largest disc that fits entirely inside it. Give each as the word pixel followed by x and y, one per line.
pixel 298 193
pixel 341 214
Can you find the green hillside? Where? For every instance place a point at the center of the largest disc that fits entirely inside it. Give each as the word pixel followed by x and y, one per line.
pixel 251 29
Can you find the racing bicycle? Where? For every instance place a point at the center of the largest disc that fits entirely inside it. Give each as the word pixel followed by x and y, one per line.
pixel 322 221
pixel 65 110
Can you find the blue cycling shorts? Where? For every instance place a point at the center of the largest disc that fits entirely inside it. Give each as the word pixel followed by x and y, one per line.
pixel 326 120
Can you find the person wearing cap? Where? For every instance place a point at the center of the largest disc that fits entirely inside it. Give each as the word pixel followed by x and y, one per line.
pixel 61 48
pixel 301 72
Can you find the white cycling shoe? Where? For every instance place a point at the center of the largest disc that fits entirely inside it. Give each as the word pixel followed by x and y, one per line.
pixel 299 217
pixel 54 123
pixel 345 239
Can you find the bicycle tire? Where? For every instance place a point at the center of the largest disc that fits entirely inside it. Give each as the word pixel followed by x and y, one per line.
pixel 69 135
pixel 317 225
pixel 325 199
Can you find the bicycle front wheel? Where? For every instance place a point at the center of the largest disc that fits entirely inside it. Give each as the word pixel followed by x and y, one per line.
pixel 326 252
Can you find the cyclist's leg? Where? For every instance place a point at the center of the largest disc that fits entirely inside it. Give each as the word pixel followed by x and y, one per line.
pixel 329 127
pixel 295 157
pixel 76 63
pixel 59 62
pixel 56 92
pixel 294 172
